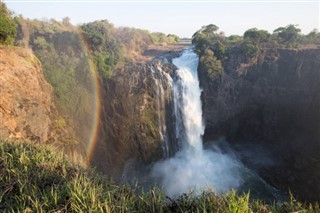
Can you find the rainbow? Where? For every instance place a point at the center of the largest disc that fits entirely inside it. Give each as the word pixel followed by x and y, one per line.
pixel 90 145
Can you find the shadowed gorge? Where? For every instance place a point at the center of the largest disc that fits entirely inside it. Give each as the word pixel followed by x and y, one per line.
pixel 273 101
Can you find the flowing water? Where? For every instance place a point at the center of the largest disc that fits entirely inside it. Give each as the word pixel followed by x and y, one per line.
pixel 193 167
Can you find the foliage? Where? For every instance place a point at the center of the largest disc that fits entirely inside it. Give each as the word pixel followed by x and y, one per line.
pixel 234 39
pixel 288 35
pixel 253 38
pixel 256 36
pixel 8 29
pixel 158 38
pixel 251 50
pixel 210 45
pixel 134 40
pixel 37 178
pixel 163 39
pixel 208 37
pixel 211 64
pixel 171 38
pixel 65 66
pixel 312 38
pixel 106 49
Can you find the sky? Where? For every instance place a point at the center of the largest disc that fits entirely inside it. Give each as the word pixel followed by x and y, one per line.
pixel 179 17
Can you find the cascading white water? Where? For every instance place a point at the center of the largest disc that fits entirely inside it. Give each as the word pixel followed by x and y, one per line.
pixel 188 104
pixel 193 168
pixel 158 78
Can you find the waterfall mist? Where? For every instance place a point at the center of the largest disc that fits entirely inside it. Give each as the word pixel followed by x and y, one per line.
pixel 193 168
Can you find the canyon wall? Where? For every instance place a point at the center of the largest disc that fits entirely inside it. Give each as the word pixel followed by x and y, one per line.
pixel 273 100
pixel 135 117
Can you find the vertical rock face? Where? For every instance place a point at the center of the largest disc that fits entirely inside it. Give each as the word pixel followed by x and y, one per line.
pixel 272 100
pixel 136 107
pixel 26 102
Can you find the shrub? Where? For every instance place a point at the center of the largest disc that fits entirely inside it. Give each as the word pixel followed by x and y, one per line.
pixel 211 64
pixel 251 50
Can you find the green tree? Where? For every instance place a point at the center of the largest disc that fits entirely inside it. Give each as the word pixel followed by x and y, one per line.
pixel 288 35
pixel 171 38
pixel 8 29
pixel 234 39
pixel 208 37
pixel 256 36
pixel 106 49
pixel 313 37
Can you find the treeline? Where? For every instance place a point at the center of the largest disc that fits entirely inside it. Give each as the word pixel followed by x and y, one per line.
pixel 214 47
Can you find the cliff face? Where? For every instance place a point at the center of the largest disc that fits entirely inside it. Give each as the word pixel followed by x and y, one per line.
pixel 273 100
pixel 26 102
pixel 136 109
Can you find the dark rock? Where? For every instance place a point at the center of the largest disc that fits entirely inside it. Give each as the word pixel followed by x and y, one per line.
pixel 274 99
pixel 136 105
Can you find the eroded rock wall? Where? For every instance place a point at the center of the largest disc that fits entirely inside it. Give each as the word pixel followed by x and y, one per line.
pixel 133 110
pixel 272 100
pixel 26 102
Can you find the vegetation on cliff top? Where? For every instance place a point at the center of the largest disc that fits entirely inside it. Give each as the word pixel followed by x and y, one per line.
pixel 214 47
pixel 37 178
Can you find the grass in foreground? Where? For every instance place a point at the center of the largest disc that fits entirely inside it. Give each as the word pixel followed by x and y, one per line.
pixel 35 178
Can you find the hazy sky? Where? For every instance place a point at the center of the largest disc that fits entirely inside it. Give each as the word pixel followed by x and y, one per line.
pixel 179 17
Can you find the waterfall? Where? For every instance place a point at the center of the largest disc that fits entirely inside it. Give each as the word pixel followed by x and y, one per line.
pixel 192 167
pixel 158 78
pixel 189 125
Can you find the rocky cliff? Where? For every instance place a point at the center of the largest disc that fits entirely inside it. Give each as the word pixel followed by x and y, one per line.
pixel 271 100
pixel 26 102
pixel 135 118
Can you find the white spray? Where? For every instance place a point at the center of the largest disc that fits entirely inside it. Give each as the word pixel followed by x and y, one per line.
pixel 193 168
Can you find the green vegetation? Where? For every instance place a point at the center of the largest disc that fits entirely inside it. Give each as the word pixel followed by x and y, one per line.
pixel 209 38
pixel 105 48
pixel 253 38
pixel 256 36
pixel 36 178
pixel 213 47
pixel 211 64
pixel 65 65
pixel 163 39
pixel 8 29
pixel 288 35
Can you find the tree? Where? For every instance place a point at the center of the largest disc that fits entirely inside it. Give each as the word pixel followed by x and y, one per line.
pixel 288 35
pixel 234 39
pixel 208 37
pixel 66 21
pixel 8 29
pixel 313 37
pixel 256 36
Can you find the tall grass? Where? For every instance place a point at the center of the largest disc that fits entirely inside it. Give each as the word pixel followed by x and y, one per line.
pixel 36 178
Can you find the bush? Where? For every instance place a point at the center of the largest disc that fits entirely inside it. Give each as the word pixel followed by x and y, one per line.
pixel 251 50
pixel 211 64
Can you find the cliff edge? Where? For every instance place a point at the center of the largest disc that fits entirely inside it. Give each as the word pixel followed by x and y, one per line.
pixel 26 102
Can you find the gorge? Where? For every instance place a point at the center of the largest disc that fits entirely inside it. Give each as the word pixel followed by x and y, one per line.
pixel 224 113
